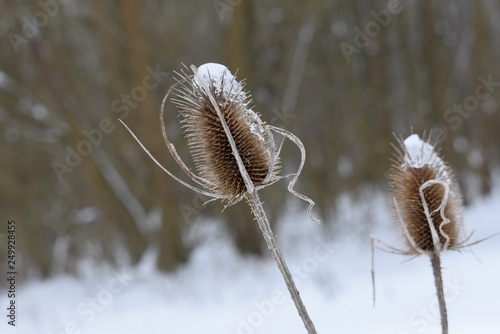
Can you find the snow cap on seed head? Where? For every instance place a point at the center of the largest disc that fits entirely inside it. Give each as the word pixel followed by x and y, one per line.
pixel 221 79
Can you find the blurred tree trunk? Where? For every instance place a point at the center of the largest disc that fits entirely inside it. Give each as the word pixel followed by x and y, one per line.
pixel 239 50
pixel 172 248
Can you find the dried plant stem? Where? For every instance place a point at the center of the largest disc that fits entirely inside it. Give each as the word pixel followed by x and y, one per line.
pixel 260 215
pixel 253 148
pixel 438 279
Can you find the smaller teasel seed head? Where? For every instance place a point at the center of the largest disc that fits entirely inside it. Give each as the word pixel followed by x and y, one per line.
pixel 425 198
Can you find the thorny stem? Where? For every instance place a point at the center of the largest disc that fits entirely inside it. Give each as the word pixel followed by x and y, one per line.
pixel 438 279
pixel 260 215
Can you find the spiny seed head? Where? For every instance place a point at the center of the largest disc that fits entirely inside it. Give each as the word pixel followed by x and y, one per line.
pixel 207 140
pixel 423 191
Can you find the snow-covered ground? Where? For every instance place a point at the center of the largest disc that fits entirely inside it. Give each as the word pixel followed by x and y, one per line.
pixel 218 292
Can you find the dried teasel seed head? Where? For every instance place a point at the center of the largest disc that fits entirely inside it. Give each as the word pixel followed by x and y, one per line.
pixel 233 150
pixel 425 198
pixel 208 142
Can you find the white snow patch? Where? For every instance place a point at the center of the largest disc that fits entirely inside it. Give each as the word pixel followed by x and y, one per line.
pixel 218 292
pixel 220 77
pixel 419 153
pixel 255 123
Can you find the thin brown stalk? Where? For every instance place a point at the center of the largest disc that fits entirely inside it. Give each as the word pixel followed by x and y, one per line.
pixel 438 279
pixel 260 215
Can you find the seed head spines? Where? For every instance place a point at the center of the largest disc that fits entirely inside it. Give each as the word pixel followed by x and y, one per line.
pixel 208 143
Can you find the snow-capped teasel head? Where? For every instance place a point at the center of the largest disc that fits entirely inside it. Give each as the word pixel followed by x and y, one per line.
pixel 221 129
pixel 427 210
pixel 232 149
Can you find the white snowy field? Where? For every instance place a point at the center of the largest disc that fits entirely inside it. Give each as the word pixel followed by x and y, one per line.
pixel 218 292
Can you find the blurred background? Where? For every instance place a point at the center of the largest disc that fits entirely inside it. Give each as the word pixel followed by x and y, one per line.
pixel 341 75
